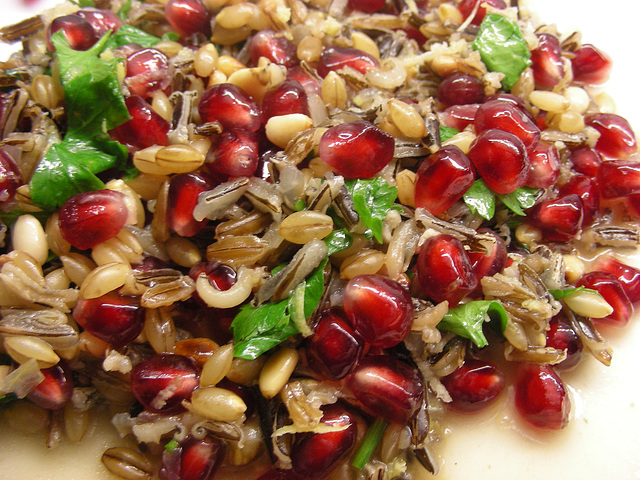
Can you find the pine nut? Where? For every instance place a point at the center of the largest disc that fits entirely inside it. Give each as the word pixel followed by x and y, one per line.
pixel 367 261
pixel 245 372
pixel 574 268
pixel 127 463
pixel 28 236
pixel 57 279
pixel 570 122
pixel 204 62
pixel 217 366
pixel 334 90
pixel 236 16
pixel 22 348
pixel 147 185
pixel 364 42
pixel 161 104
pixel 57 244
pixel 406 183
pixel 229 65
pixel 449 14
pixel 578 99
pixel 549 101
pixel 105 279
pixel 183 251
pixel 77 266
pixel 93 345
pixel 200 349
pixel 281 129
pixel 528 235
pixel 168 47
pixel 605 103
pixel 407 119
pixel 462 140
pixel 302 227
pixel 217 404
pixel 309 49
pixel 588 304
pixel 276 371
pixel 76 422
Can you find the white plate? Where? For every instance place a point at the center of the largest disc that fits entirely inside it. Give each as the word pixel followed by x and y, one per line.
pixel 601 442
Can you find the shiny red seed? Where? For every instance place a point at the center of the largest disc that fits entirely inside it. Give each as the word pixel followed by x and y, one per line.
pixel 546 61
pixel 230 106
pixel 590 65
pixel 612 291
pixel 460 89
pixel 379 308
pixel 184 189
pixel 162 382
pixel 147 72
pixel 442 179
pixel 561 336
pixel 101 20
pixel 356 149
pixel 286 98
pixel 55 390
pixel 490 263
pixel 444 270
pixel 503 115
pixel 628 276
pixel 188 17
pixel 114 318
pixel 501 160
pixel 273 46
pixel 194 459
pixel 222 276
pixel 466 7
pixel 88 219
pixel 367 6
pixel 387 387
pixel 333 59
pixel 617 140
pixel 587 189
pixel 460 116
pixel 619 178
pixel 10 179
pixel 474 385
pixel 145 128
pixel 544 165
pixel 79 33
pixel 233 154
pixel 541 398
pixel 585 160
pixel 559 219
pixel 308 82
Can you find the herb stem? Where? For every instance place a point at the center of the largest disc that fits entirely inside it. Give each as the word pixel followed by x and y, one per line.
pixel 370 442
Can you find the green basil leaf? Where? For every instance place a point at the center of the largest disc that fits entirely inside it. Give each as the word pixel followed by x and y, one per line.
pixel 559 294
pixel 84 3
pixel 372 199
pixel 502 48
pixel 447 132
pixel 314 289
pixel 338 240
pixel 252 348
pixel 520 199
pixel 127 34
pixel 481 200
pixel 468 319
pixel 124 10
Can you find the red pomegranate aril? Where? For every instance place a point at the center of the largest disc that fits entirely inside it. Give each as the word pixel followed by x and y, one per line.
pixel 460 89
pixel 367 6
pixel 222 276
pixel 561 336
pixel 145 128
pixel 193 459
pixel 613 292
pixel 466 8
pixel 442 179
pixel 88 219
pixel 546 61
pixel 147 72
pixel 161 382
pixel 10 179
pixel 101 20
pixel 273 46
pixel 335 347
pixel 474 385
pixel 379 308
pixel 460 116
pixel 315 454
pixel 114 318
pixel 590 65
pixel 586 188
pixel 387 387
pixel 78 32
pixel 501 160
pixel 619 178
pixel 183 198
pixel 544 165
pixel 490 263
pixel 309 83
pixel 617 140
pixel 559 219
pixel 288 97
pixel 333 59
pixel 188 17
pixel 356 149
pixel 234 154
pixel 55 390
pixel 586 160
pixel 541 398
pixel 503 115
pixel 444 270
pixel 628 276
pixel 229 105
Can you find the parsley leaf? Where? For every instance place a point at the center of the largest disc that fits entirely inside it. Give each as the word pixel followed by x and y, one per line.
pixel 520 199
pixel 127 34
pixel 502 48
pixel 338 240
pixel 447 132
pixel 467 320
pixel 559 294
pixel 481 200
pixel 372 199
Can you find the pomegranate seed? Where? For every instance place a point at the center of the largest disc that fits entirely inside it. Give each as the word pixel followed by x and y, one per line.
pixel 183 198
pixel 148 264
pixel 488 264
pixel 230 106
pixel 78 32
pixel 561 336
pixel 288 97
pixel 147 72
pixel 10 179
pixel 161 382
pixel 335 348
pixel 442 179
pixel 222 277
pixel 466 8
pixel 379 308
pixel 590 65
pixel 387 387
pixel 88 219
pixel 460 89
pixel 188 17
pixel 619 178
pixel 315 454
pixel 503 115
pixel 101 20
pixel 511 99
pixel 540 397
pixel 194 459
pixel 309 83
pixel 586 160
pixel 474 385
pixel 559 219
pixel 546 61
pixel 460 116
pixel 367 6
pixel 444 270
pixel 628 276
pixel 273 46
pixel 613 292
pixel 145 128
pixel 544 165
pixel 114 318
pixel 617 140
pixel 234 154
pixel 356 149
pixel 55 390
pixel 501 160
pixel 586 188
pixel 333 59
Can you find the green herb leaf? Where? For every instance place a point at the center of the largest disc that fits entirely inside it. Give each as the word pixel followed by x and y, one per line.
pixel 481 200
pixel 300 205
pixel 170 37
pixel 520 199
pixel 369 443
pixel 84 3
pixel 123 13
pixel 314 289
pixel 372 199
pixel 559 294
pixel 127 34
pixel 338 240
pixel 502 48
pixel 447 132
pixel 171 445
pixel 468 319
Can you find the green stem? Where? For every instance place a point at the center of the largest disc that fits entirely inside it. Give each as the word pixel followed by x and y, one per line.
pixel 369 443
